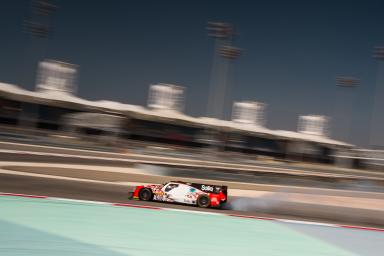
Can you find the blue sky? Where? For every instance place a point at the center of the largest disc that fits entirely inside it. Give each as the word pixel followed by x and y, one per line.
pixel 292 53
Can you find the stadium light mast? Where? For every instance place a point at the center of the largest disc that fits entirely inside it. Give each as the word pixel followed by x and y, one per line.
pixel 220 30
pixel 39 22
pixel 349 83
pixel 39 25
pixel 376 123
pixel 224 53
pixel 379 53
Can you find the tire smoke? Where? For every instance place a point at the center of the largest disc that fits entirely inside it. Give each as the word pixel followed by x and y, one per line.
pixel 264 203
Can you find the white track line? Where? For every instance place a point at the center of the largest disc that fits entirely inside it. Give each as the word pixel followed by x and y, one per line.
pixel 194 212
pixel 12 151
pixel 48 176
pixel 78 200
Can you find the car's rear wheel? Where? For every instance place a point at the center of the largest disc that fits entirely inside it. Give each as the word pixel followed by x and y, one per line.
pixel 203 201
pixel 145 194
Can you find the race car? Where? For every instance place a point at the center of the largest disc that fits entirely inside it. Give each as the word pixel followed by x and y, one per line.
pixel 201 195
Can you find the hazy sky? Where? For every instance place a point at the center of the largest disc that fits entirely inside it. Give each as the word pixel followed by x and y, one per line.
pixel 292 53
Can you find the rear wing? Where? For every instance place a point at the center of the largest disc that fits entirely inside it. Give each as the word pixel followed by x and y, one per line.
pixel 215 189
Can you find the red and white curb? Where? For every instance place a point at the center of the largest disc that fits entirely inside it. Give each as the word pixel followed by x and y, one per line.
pixel 192 211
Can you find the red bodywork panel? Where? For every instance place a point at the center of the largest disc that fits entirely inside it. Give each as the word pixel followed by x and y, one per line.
pixel 137 191
pixel 216 199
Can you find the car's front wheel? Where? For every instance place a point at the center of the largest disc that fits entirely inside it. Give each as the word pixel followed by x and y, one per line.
pixel 203 201
pixel 145 194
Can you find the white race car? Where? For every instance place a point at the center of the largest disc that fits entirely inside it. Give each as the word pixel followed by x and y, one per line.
pixel 202 195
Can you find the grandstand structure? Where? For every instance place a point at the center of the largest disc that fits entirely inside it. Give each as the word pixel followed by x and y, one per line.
pixel 54 107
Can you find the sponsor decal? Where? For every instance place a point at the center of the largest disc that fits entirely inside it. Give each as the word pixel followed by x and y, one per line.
pixel 207 188
pixel 158 195
pixel 192 195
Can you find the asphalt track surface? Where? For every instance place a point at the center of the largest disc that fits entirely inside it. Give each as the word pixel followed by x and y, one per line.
pixel 119 194
pixel 143 156
pixel 81 190
pixel 158 174
pixel 105 192
pixel 232 175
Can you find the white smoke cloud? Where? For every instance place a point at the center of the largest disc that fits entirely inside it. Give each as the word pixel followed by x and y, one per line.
pixel 263 203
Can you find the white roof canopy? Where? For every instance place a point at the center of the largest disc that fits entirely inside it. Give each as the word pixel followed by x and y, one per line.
pixel 167 114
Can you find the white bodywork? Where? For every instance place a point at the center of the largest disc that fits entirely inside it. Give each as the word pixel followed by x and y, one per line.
pixel 177 192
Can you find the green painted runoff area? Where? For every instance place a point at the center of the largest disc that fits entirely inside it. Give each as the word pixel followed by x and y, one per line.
pixel 51 227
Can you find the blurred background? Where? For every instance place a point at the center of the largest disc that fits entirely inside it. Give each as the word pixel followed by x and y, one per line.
pixel 303 82
pixel 293 94
pixel 281 101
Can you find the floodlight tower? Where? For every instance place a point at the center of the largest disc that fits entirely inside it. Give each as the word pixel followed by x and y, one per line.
pixel 377 120
pixel 224 54
pixel 39 25
pixel 347 81
pixel 229 54
pixel 348 84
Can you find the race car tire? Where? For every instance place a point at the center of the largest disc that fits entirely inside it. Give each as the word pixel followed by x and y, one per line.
pixel 203 201
pixel 145 194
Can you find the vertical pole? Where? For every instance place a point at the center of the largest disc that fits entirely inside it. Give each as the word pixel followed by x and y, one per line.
pixel 377 121
pixel 221 88
pixel 347 84
pixel 211 94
